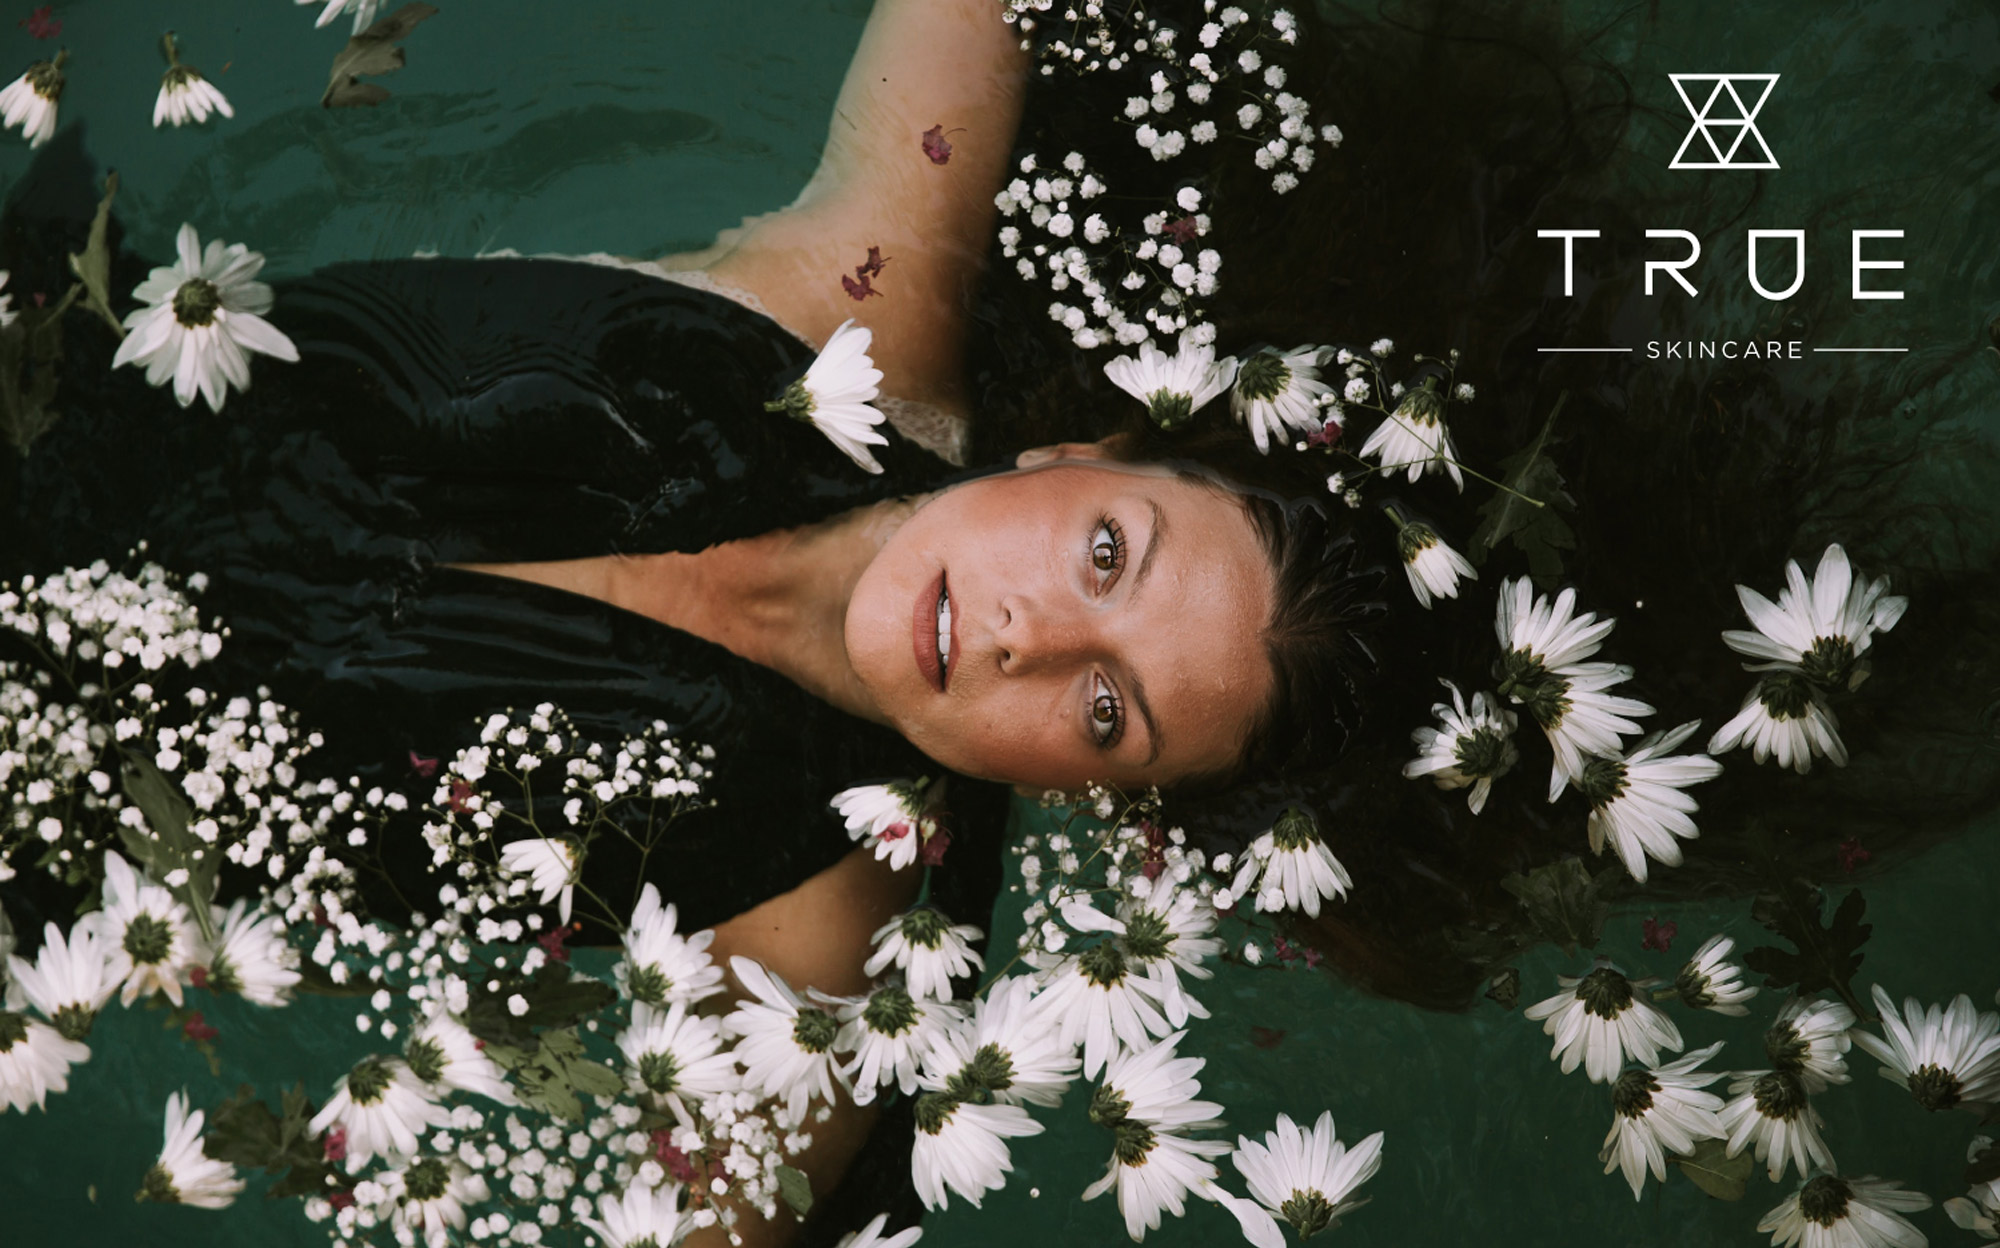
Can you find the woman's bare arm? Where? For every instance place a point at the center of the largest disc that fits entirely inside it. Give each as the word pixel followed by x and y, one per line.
pixel 921 63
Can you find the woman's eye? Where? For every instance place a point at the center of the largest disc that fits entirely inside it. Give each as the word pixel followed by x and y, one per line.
pixel 1107 548
pixel 1107 716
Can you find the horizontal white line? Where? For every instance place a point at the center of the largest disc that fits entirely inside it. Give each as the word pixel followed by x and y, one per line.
pixel 1551 350
pixel 1897 350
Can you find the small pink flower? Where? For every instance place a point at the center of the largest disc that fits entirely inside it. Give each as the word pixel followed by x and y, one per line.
pixel 932 853
pixel 197 1030
pixel 1327 434
pixel 425 767
pixel 1183 231
pixel 935 145
pixel 860 290
pixel 672 1159
pixel 334 1147
pixel 1657 935
pixel 198 977
pixel 461 790
pixel 1313 958
pixel 342 1199
pixel 551 942
pixel 1852 855
pixel 41 24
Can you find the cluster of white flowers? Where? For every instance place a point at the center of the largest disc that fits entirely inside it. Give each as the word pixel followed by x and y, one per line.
pixel 1145 274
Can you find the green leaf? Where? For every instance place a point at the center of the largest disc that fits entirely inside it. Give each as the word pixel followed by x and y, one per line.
pixel 1828 955
pixel 243 1131
pixel 797 1191
pixel 1512 514
pixel 30 364
pixel 372 51
pixel 1504 989
pixel 1564 901
pixel 554 997
pixel 1709 1168
pixel 175 846
pixel 555 1072
pixel 93 265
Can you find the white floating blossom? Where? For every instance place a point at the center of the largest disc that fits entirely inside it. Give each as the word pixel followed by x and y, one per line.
pixel 1637 803
pixel 203 319
pixel 1290 867
pixel 1434 569
pixel 1303 1175
pixel 887 818
pixel 1831 1212
pixel 251 956
pixel 785 1046
pixel 30 100
pixel 639 1216
pixel 185 95
pixel 928 948
pixel 960 1147
pixel 1543 647
pixel 1810 1039
pixel 1413 438
pixel 184 1174
pixel 383 1109
pixel 1101 1000
pixel 1946 1057
pixel 835 394
pixel 1010 1050
pixel 1784 717
pixel 34 1061
pixel 673 1053
pixel 148 933
pixel 1600 1019
pixel 1147 1100
pixel 1474 747
pixel 1167 932
pixel 70 979
pixel 1173 387
pixel 660 965
pixel 551 865
pixel 364 11
pixel 1659 1111
pixel 888 1032
pixel 1979 1209
pixel 1821 625
pixel 1772 1110
pixel 871 1235
pixel 430 1196
pixel 443 1054
pixel 1710 981
pixel 1278 394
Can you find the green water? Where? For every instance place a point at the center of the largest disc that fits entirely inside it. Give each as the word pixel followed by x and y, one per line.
pixel 642 126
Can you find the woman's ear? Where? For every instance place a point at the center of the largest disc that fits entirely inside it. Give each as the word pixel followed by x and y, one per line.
pixel 1115 446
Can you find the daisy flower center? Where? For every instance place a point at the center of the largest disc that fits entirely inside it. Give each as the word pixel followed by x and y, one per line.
pixel 1307 1211
pixel 1147 937
pixel 426 1180
pixel 367 1082
pixel 1414 540
pixel 1783 1045
pixel 1263 376
pixel 814 1031
pixel 1605 993
pixel 890 1011
pixel 1108 1106
pixel 1525 679
pixel 1829 660
pixel 426 1061
pixel 46 77
pixel 180 77
pixel 1170 408
pixel 1780 1095
pixel 933 1110
pixel 196 301
pixel 990 1070
pixel 660 1072
pixel 1824 1200
pixel 223 976
pixel 72 1022
pixel 649 984
pixel 1421 406
pixel 13 1030
pixel 1294 830
pixel 924 928
pixel 1786 695
pixel 1603 779
pixel 158 1187
pixel 1103 965
pixel 1134 1140
pixel 147 939
pixel 1934 1087
pixel 1632 1095
pixel 796 403
pixel 1480 752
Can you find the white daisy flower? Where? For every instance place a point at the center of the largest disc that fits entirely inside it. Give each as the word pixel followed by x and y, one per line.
pixel 1100 999
pixel 785 1045
pixel 1166 932
pixel 1414 439
pixel 185 95
pixel 184 1174
pixel 149 934
pixel 1636 803
pixel 1784 717
pixel 660 965
pixel 1278 394
pixel 1599 1018
pixel 1945 1056
pixel 30 100
pixel 7 314
pixel 1979 1209
pixel 639 1216
pixel 1543 647
pixel 203 320
pixel 1771 1109
pixel 364 11
pixel 1660 1111
pixel 835 394
pixel 1147 1099
pixel 443 1055
pixel 1474 748
pixel 871 1236
pixel 1821 625
pixel 888 1032
pixel 250 956
pixel 928 948
pixel 1173 387
pixel 1831 1212
pixel 1303 1175
pixel 1009 1050
pixel 551 865
pixel 672 1053
pixel 887 818
pixel 1710 981
pixel 1290 867
pixel 430 1196
pixel 34 1061
pixel 960 1147
pixel 70 979
pixel 383 1109
pixel 1433 567
pixel 1809 1038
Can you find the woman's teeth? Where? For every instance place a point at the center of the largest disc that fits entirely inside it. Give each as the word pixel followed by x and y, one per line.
pixel 944 631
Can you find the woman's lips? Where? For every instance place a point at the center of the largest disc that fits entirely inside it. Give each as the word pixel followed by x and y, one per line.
pixel 923 633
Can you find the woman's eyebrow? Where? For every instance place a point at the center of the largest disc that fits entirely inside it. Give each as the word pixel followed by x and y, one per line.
pixel 1153 539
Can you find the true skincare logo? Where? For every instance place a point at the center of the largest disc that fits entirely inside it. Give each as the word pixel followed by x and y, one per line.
pixel 1725 136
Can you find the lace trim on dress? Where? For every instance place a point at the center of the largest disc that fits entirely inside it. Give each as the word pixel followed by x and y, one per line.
pixel 936 430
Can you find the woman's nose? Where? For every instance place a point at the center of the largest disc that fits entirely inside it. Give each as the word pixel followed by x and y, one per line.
pixel 1036 636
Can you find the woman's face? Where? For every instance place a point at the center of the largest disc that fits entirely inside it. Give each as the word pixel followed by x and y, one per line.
pixel 1104 623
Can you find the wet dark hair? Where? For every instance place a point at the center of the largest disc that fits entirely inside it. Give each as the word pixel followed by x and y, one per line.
pixel 1685 480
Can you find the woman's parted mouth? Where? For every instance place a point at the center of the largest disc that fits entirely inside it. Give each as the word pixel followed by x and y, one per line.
pixel 932 634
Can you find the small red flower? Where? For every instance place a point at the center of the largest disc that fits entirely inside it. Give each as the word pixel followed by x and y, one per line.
pixel 1183 231
pixel 425 767
pixel 672 1159
pixel 461 792
pixel 41 299
pixel 860 290
pixel 319 916
pixel 1852 855
pixel 1313 958
pixel 873 264
pixel 41 24
pixel 1267 1037
pixel 1156 850
pixel 1657 935
pixel 936 146
pixel 932 853
pixel 1327 434
pixel 197 1030
pixel 342 1199
pixel 552 940
pixel 1287 952
pixel 198 976
pixel 334 1146
pixel 895 831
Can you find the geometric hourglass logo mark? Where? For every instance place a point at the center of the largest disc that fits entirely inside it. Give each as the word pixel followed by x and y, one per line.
pixel 1725 125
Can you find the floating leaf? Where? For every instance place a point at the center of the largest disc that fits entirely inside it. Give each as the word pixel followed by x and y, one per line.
pixel 373 51
pixel 798 1193
pixel 1564 901
pixel 1513 513
pixel 173 845
pixel 1504 989
pixel 244 1132
pixel 555 1072
pixel 1710 1168
pixel 1828 954
pixel 554 999
pixel 93 265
